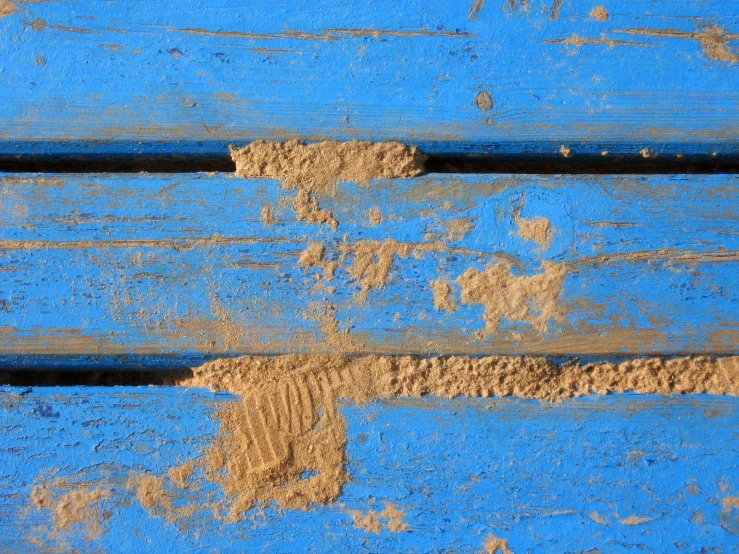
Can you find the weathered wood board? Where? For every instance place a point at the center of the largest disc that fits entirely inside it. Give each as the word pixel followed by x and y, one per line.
pixel 503 76
pixel 623 473
pixel 99 269
pixel 163 271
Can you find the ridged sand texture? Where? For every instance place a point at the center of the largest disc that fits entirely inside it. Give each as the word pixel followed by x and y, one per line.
pixel 285 441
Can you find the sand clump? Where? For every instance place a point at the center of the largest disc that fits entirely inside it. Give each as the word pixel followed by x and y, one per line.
pixel 526 298
pixel 501 288
pixel 391 519
pixel 285 441
pixel 314 169
pixel 494 545
pixel 81 507
pixel 536 229
pixel 337 338
pixel 375 216
pixel 7 8
pixel 268 215
pixel 373 260
pixel 313 255
pixel 181 475
pixel 151 492
pixel 715 44
pixel 443 299
pixel 600 13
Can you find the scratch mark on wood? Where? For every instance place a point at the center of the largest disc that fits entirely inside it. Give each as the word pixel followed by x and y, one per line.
pixel 476 7
pixel 377 33
pixel 667 254
pixel 636 520
pixel 287 34
pixel 326 35
pixel 555 9
pixel 577 40
pixel 41 25
pixel 713 40
pixel 179 244
pixel 514 4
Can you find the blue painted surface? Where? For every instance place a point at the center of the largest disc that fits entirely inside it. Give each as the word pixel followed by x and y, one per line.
pixel 119 272
pixel 192 77
pixel 100 269
pixel 540 476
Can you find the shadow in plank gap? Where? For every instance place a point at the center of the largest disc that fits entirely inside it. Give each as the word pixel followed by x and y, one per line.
pixel 557 158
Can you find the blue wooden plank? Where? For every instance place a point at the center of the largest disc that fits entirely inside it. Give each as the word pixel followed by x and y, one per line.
pixel 474 77
pixel 101 269
pixel 617 474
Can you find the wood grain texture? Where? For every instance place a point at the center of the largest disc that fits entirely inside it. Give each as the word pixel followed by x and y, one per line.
pixel 453 77
pixel 101 268
pixel 615 474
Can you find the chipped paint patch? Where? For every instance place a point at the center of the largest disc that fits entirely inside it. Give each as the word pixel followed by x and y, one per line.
pixel 713 40
pixel 484 101
pixel 729 517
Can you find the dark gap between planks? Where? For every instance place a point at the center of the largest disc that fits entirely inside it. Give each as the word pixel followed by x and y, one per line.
pixel 125 375
pixel 456 163
pixel 30 379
